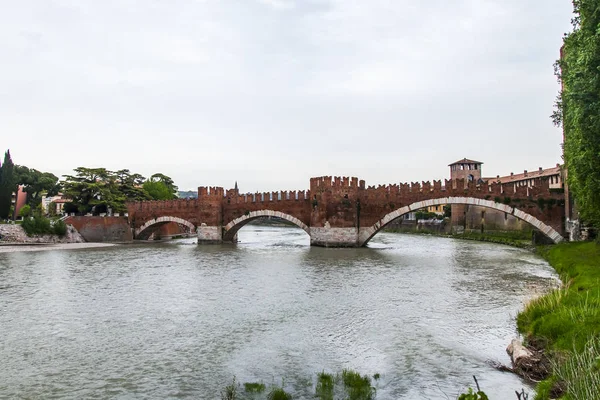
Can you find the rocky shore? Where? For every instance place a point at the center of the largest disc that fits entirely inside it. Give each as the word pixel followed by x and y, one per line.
pixel 14 234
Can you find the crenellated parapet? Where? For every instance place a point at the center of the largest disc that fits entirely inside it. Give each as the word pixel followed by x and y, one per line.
pixel 211 191
pixel 343 211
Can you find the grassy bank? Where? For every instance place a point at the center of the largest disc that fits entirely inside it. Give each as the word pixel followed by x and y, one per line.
pixel 566 323
pixel 520 239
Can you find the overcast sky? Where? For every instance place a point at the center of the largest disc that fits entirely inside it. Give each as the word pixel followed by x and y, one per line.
pixel 272 92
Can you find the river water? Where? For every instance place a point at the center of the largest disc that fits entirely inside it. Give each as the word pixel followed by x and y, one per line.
pixel 177 320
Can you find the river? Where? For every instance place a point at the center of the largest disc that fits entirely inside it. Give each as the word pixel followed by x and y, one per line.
pixel 178 320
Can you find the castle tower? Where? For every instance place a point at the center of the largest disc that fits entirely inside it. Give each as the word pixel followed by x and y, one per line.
pixel 470 171
pixel 466 169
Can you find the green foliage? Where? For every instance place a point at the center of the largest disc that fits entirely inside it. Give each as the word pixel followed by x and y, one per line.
pixel 158 190
pixel 472 395
pixel 36 184
pixel 161 187
pixel 7 186
pixel 447 211
pixel 25 211
pixel 277 393
pixel 97 189
pixel 578 108
pixel 325 385
pixel 254 387
pixel 358 387
pixel 59 228
pixel 37 225
pixel 568 319
pixel 581 371
pixel 230 391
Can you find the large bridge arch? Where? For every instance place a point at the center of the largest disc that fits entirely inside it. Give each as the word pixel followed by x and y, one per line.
pixel 144 231
pixel 366 234
pixel 231 229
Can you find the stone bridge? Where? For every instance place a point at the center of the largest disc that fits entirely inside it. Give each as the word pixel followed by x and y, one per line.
pixel 343 212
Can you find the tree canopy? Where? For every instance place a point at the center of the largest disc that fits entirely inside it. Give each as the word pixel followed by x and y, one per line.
pixel 160 187
pixel 578 108
pixel 97 190
pixel 36 184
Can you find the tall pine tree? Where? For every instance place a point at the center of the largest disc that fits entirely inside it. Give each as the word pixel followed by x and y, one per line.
pixel 7 186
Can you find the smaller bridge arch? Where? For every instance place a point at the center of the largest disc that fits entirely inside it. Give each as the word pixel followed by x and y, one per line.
pixel 367 234
pixel 231 229
pixel 144 231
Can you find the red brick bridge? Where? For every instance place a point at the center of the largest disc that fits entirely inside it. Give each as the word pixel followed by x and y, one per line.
pixel 342 212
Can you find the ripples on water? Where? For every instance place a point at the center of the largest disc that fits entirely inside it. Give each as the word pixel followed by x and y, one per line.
pixel 178 320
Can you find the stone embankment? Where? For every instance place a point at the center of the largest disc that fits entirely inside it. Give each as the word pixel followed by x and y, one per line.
pixel 14 234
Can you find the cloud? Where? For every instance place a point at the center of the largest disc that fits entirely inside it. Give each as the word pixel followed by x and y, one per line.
pixel 269 91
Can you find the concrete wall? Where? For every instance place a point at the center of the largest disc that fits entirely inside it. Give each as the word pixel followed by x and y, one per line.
pixel 102 229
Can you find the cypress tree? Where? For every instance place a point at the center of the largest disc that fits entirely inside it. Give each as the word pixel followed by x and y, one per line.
pixel 7 186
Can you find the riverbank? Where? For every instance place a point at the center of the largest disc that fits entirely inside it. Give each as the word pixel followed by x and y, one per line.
pixel 516 238
pixel 565 323
pixel 14 234
pixel 27 247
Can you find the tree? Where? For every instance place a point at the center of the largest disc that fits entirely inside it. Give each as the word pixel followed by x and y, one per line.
pixel 97 189
pixel 25 211
pixel 160 187
pixel 36 184
pixel 131 185
pixel 7 186
pixel 94 190
pixel 578 108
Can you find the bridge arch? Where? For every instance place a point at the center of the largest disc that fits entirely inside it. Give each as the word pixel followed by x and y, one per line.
pixel 231 229
pixel 144 231
pixel 367 234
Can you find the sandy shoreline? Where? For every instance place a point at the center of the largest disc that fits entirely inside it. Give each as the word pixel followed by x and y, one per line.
pixel 16 247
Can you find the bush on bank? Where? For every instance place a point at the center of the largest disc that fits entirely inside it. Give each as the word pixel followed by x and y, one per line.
pixel 39 225
pixel 566 322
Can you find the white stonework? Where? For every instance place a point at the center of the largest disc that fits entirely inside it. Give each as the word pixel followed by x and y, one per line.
pixel 210 234
pixel 333 237
pixel 367 233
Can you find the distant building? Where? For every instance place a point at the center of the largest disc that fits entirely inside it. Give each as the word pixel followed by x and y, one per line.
pixel 58 200
pixel 466 169
pixel 469 217
pixel 553 175
pixel 18 200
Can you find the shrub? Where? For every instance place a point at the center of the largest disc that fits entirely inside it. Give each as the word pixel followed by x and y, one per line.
pixel 37 225
pixel 60 228
pixel 25 211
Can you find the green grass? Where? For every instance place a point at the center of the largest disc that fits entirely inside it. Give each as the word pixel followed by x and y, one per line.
pixel 520 239
pixel 567 320
pixel 254 387
pixel 358 387
pixel 325 385
pixel 278 393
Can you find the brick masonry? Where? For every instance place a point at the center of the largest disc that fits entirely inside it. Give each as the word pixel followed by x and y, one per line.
pixel 341 211
pixel 102 229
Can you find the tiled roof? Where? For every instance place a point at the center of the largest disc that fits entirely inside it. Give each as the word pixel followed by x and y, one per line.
pixel 465 161
pixel 539 173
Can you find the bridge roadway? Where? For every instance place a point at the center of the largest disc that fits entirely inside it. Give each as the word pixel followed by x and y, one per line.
pixel 342 212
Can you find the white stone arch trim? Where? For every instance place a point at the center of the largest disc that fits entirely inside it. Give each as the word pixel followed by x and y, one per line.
pixel 367 233
pixel 164 219
pixel 240 221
